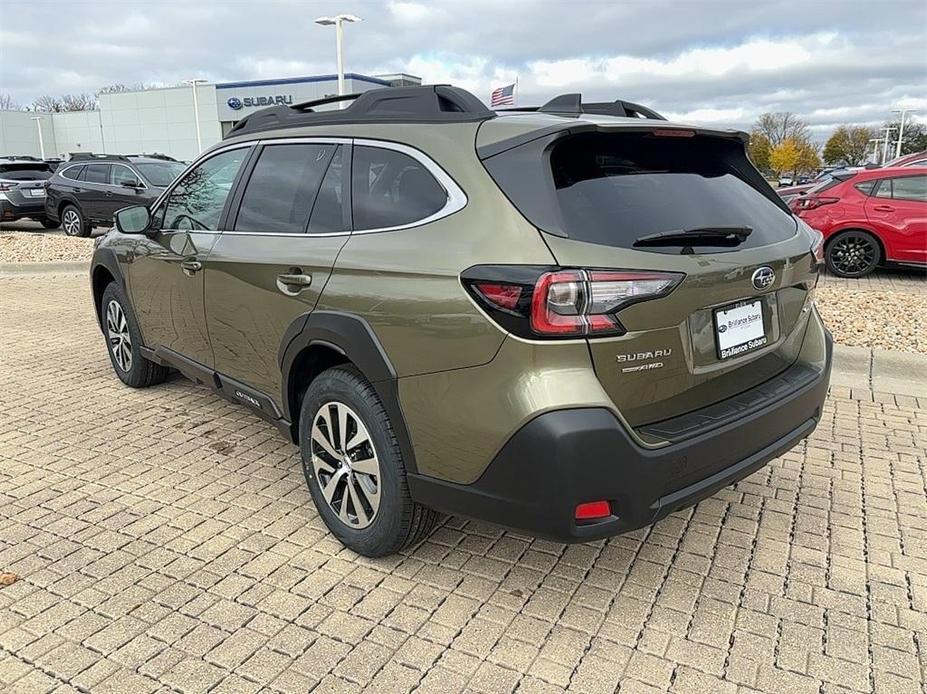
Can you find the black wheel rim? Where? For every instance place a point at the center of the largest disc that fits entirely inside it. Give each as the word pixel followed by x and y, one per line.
pixel 853 254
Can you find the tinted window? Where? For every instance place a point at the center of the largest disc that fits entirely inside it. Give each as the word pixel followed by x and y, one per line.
pixel 96 173
pixel 328 211
pixel 161 174
pixel 391 189
pixel 866 187
pixel 283 187
pixel 25 172
pixel 614 189
pixel 72 172
pixel 885 188
pixel 198 199
pixel 123 174
pixel 910 188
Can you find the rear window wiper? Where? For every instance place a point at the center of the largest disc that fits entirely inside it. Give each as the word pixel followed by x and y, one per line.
pixel 697 236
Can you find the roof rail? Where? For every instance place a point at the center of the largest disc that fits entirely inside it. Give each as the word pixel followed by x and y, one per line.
pixel 572 105
pixel 88 156
pixel 437 103
pixel 153 155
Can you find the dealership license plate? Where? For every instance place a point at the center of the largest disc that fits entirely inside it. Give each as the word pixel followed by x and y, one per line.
pixel 37 192
pixel 739 328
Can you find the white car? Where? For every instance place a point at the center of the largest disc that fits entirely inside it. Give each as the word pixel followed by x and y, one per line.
pixel 786 181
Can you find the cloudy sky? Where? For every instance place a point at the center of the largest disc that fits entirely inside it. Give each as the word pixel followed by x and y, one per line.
pixel 705 61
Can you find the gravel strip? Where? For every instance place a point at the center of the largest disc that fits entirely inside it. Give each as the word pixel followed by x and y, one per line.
pixel 880 319
pixel 17 247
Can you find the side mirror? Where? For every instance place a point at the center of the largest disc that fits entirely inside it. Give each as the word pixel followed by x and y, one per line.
pixel 135 185
pixel 133 220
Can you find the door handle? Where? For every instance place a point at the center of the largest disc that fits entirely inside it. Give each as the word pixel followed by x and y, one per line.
pixel 884 208
pixel 292 283
pixel 191 267
pixel 108 194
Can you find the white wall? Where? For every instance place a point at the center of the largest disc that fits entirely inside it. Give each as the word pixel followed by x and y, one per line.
pixel 159 120
pixel 19 135
pixel 76 131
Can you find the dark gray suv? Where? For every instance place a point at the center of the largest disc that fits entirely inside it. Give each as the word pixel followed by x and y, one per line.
pixel 89 189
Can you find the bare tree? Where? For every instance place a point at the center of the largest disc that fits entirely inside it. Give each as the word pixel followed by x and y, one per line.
pixel 119 87
pixel 49 104
pixel 78 102
pixel 8 103
pixel 782 126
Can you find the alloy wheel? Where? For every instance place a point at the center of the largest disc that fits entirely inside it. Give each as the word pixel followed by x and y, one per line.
pixel 854 254
pixel 71 222
pixel 120 342
pixel 345 464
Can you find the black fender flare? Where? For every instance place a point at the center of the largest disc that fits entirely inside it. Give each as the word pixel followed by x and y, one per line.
pixel 105 258
pixel 353 337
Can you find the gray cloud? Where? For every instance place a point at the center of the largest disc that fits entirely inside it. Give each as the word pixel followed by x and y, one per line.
pixel 713 61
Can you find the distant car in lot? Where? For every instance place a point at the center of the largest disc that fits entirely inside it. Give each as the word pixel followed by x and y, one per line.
pixel 786 181
pixel 22 190
pixel 915 159
pixel 869 218
pixel 89 189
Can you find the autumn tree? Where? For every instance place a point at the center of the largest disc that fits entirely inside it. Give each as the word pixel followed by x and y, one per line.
pixel 808 159
pixel 783 158
pixel 782 126
pixel 848 146
pixel 758 150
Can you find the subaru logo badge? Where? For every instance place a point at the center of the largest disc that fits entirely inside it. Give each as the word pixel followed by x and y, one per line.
pixel 234 103
pixel 763 277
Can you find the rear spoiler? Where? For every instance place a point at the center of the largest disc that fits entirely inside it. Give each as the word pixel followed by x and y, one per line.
pixel 581 125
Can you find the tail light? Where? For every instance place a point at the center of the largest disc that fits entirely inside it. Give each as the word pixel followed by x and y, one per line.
pixel 817 247
pixel 552 302
pixel 806 203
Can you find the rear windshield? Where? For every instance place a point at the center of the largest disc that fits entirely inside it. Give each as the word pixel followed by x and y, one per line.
pixel 30 171
pixel 161 174
pixel 613 189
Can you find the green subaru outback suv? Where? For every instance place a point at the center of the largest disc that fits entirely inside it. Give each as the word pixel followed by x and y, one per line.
pixel 570 320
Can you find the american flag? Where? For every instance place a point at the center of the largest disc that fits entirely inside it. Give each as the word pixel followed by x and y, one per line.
pixel 503 96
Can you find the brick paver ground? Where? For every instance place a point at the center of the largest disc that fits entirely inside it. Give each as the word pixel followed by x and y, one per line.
pixel 166 542
pixel 896 279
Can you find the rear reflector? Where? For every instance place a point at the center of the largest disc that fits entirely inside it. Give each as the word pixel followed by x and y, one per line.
pixel 592 510
pixel 674 133
pixel 501 295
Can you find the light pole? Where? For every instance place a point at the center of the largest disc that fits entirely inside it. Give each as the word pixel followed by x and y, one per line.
pixel 888 136
pixel 903 112
pixel 196 112
pixel 338 22
pixel 38 126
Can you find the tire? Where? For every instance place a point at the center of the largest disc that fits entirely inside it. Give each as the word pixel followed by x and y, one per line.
pixel 123 340
pixel 49 224
pixel 396 521
pixel 73 221
pixel 852 254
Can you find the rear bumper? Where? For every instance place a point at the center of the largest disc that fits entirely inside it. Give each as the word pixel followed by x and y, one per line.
pixel 10 210
pixel 567 457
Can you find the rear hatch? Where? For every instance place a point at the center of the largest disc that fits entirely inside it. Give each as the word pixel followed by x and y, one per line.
pixel 689 203
pixel 23 183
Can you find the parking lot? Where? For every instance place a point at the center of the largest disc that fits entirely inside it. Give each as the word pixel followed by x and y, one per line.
pixel 164 540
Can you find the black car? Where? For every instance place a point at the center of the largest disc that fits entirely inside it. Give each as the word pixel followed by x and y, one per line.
pixel 22 190
pixel 88 189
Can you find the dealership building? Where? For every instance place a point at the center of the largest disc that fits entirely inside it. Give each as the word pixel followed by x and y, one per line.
pixel 165 120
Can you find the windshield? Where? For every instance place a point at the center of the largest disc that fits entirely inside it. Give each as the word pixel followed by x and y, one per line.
pixel 161 173
pixel 613 189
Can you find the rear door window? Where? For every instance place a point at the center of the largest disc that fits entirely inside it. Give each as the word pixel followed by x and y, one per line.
pixel 910 188
pixel 96 173
pixel 391 189
pixel 613 189
pixel 283 187
pixel 72 173
pixel 328 213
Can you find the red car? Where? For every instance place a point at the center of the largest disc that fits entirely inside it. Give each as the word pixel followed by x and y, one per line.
pixel 869 218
